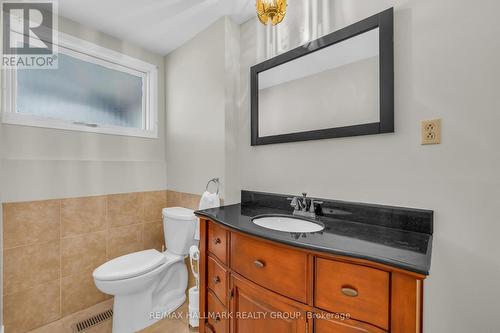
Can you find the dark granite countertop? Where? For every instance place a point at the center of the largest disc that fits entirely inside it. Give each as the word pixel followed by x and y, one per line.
pixel 395 246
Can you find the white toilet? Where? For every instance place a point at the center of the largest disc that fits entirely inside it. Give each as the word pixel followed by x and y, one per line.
pixel 148 283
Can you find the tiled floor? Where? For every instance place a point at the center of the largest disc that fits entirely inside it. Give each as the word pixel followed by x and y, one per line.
pixel 163 326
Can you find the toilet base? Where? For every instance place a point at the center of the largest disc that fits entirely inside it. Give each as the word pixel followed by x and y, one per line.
pixel 134 312
pixel 126 321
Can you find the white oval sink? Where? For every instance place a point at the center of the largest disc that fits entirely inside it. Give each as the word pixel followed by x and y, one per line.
pixel 288 224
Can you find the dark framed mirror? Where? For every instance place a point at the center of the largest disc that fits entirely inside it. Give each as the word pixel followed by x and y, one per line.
pixel 339 85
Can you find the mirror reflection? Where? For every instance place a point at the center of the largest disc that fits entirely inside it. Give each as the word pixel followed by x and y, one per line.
pixel 333 87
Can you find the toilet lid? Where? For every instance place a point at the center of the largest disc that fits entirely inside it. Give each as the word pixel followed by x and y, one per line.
pixel 179 213
pixel 129 265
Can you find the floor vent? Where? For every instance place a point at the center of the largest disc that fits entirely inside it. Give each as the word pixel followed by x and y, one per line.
pixel 95 320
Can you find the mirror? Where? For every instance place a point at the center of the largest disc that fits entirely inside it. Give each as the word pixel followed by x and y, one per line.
pixel 336 86
pixel 339 85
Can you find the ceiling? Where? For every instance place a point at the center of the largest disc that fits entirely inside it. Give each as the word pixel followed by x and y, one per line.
pixel 159 26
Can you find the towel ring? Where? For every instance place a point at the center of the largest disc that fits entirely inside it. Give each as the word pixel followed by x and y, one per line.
pixel 216 182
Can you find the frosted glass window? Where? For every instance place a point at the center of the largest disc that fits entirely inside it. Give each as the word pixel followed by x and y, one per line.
pixel 93 89
pixel 82 91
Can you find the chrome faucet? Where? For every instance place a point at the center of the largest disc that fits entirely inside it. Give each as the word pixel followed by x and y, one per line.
pixel 302 208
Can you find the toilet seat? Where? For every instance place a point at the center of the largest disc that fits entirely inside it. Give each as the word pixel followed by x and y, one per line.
pixel 130 265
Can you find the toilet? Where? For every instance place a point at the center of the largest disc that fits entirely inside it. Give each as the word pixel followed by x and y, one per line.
pixel 149 284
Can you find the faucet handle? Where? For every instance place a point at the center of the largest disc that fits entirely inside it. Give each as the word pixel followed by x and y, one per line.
pixel 312 208
pixel 294 202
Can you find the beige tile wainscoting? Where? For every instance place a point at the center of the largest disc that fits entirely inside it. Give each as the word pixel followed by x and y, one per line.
pixel 51 247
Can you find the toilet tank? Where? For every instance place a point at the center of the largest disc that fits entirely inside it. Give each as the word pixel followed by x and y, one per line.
pixel 178 227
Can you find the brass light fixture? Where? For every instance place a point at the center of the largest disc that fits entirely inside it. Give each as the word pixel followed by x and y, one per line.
pixel 271 11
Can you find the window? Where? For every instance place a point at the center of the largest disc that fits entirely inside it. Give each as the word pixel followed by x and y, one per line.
pixel 93 89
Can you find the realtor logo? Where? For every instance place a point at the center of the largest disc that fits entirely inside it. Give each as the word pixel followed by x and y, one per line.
pixel 28 34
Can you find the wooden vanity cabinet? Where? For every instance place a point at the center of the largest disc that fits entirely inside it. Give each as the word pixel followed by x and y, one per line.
pixel 249 284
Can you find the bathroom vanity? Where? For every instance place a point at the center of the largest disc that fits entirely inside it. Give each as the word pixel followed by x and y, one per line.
pixel 363 273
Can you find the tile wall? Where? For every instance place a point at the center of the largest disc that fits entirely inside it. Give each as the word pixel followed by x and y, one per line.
pixel 51 248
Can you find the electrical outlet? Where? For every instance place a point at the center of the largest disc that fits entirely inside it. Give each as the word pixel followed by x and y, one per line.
pixel 431 132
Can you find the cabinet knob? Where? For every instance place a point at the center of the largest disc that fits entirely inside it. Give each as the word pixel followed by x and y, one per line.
pixel 350 292
pixel 259 264
pixel 216 279
pixel 217 241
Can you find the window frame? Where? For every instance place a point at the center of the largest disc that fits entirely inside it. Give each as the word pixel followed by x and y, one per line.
pixel 95 54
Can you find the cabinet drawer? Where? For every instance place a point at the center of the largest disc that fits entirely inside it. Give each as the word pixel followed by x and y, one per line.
pixel 218 317
pixel 217 241
pixel 217 279
pixel 277 268
pixel 360 291
pixel 343 326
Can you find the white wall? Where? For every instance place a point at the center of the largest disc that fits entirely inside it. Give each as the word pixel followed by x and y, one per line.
pixel 201 97
pixel 46 163
pixel 447 63
pixel 1 228
pixel 232 188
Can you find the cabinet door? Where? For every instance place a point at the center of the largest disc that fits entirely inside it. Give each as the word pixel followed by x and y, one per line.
pixel 334 326
pixel 255 309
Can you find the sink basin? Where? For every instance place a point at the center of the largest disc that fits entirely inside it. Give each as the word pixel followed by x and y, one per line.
pixel 287 224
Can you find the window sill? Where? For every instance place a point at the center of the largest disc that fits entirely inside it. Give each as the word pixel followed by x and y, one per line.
pixel 34 121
